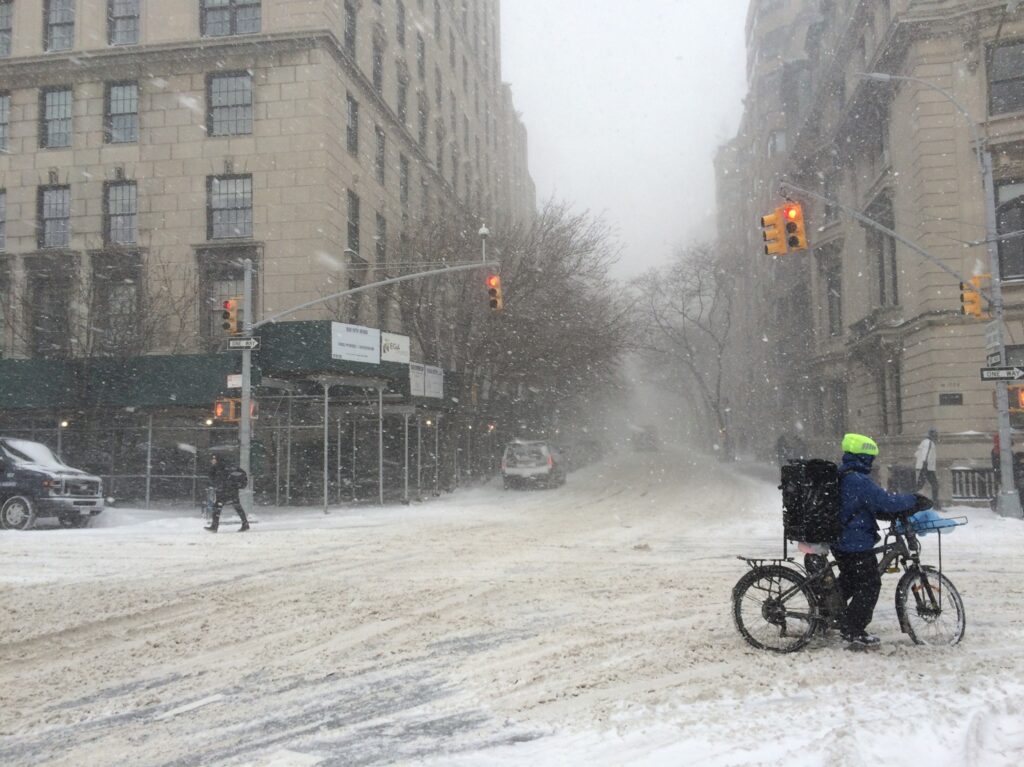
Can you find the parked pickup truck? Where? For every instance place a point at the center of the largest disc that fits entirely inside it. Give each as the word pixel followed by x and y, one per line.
pixel 35 483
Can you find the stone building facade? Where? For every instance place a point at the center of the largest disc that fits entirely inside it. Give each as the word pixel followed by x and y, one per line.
pixel 146 147
pixel 859 332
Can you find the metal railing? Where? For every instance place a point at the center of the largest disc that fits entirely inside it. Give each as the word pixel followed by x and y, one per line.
pixel 973 484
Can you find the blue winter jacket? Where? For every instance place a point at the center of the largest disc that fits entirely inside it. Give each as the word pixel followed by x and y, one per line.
pixel 862 502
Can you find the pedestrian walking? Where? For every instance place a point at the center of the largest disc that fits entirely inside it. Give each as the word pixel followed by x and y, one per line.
pixel 924 461
pixel 226 481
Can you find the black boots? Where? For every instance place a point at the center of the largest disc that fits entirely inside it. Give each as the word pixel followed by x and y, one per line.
pixel 214 523
pixel 245 524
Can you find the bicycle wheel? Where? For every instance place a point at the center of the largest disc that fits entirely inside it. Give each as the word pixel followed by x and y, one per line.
pixel 774 609
pixel 931 613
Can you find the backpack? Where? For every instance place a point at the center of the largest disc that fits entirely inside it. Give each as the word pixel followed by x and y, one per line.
pixel 810 501
pixel 238 478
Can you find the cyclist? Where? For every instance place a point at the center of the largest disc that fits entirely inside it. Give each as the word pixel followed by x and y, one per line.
pixel 861 503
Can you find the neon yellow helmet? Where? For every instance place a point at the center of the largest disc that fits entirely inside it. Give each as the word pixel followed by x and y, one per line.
pixel 858 444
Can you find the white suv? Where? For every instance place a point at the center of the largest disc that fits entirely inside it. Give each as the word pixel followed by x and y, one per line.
pixel 534 462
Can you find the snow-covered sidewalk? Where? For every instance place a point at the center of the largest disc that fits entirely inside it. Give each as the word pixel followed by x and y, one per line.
pixel 585 625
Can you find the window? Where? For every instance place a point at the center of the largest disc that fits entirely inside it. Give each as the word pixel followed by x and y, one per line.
pixel 403 178
pixel 437 21
pixel 352 125
pixel 221 277
pixel 6 13
pixel 1009 220
pixel 60 25
pixel 56 109
pixel 438 97
pixel 350 28
pixel 1006 79
pixel 5 303
pixel 353 222
pixel 776 143
pixel 229 97
pixel 114 316
pixel 422 117
pixel 122 119
pixel 439 138
pixel 3 225
pixel 5 121
pixel 381 242
pixel 122 22
pixel 451 49
pixel 48 297
pixel 379 157
pixel 400 23
pixel 54 216
pixel 830 263
pixel 229 17
pixel 882 248
pixel 120 213
pixel 229 207
pixel 378 67
pixel 403 101
pixel 421 57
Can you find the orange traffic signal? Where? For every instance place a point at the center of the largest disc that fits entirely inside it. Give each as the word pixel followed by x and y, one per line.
pixel 495 297
pixel 796 231
pixel 229 315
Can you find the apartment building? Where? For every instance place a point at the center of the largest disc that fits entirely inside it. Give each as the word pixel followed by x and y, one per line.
pixel 147 147
pixel 859 332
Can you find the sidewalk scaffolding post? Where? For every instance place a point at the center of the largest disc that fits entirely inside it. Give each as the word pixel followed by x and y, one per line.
pixel 405 491
pixel 437 453
pixel 380 443
pixel 149 457
pixel 327 431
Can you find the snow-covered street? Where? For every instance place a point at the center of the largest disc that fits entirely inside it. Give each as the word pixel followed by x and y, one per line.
pixel 584 625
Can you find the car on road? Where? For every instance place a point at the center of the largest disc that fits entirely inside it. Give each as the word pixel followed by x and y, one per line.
pixel 534 462
pixel 35 483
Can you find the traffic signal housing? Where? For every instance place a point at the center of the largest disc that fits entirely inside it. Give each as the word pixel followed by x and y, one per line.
pixel 227 410
pixel 970 297
pixel 1016 399
pixel 773 233
pixel 494 295
pixel 796 231
pixel 229 316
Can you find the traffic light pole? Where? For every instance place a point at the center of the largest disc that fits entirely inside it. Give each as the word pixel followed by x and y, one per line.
pixel 245 418
pixel 1007 501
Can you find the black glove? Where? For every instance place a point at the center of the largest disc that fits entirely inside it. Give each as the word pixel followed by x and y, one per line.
pixel 923 502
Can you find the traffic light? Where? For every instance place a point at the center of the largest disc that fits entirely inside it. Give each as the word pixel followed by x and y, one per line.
pixel 796 232
pixel 774 236
pixel 970 297
pixel 497 301
pixel 227 410
pixel 1016 395
pixel 229 315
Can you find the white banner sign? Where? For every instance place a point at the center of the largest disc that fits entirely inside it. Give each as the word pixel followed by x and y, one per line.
pixel 355 343
pixel 394 348
pixel 416 380
pixel 433 382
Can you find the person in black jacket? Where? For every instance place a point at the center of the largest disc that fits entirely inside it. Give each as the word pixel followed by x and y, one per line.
pixel 226 489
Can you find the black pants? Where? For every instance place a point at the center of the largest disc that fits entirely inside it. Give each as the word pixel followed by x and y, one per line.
pixel 860 582
pixel 932 479
pixel 224 500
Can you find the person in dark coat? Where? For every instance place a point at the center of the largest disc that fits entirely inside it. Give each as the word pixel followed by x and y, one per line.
pixel 862 502
pixel 226 490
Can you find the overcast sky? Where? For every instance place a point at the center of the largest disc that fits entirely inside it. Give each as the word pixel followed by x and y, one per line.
pixel 624 103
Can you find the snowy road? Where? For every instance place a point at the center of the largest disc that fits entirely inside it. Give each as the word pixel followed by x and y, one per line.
pixel 585 625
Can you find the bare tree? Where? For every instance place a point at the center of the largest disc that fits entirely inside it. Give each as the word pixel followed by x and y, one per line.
pixel 685 311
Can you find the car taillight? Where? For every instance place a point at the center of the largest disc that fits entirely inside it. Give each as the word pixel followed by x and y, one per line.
pixel 504 464
pixel 551 460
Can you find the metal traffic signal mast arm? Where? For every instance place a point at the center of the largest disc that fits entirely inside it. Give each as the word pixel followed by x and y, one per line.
pixel 885 230
pixel 370 286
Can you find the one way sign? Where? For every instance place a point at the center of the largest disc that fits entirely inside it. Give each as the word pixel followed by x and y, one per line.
pixel 1002 374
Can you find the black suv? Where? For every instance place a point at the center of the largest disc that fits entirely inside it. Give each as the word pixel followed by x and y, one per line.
pixel 36 483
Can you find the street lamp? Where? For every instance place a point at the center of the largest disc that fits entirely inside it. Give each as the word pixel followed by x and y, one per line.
pixel 1007 502
pixel 484 234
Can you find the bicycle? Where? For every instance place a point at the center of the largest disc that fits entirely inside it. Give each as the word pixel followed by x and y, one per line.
pixel 779 608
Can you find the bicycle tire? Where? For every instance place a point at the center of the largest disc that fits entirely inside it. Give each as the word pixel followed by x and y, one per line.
pixel 923 623
pixel 763 621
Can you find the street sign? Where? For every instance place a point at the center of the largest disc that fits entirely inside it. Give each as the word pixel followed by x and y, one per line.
pixel 994 359
pixel 992 336
pixel 1002 374
pixel 234 380
pixel 243 343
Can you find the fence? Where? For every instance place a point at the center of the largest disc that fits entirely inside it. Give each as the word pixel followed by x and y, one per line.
pixel 973 484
